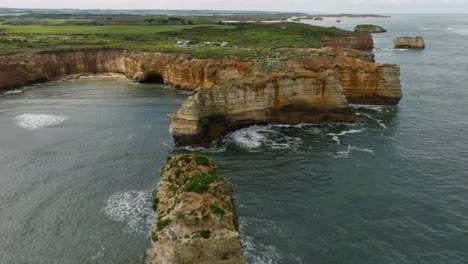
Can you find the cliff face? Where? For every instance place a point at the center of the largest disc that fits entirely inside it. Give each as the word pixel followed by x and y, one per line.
pixel 409 42
pixel 232 93
pixel 197 220
pixel 359 42
pixel 363 82
pixel 288 98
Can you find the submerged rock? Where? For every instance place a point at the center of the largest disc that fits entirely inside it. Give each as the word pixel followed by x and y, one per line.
pixel 369 29
pixel 409 42
pixel 197 220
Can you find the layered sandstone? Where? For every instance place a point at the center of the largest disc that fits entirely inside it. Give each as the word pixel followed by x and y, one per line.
pixel 231 93
pixel 197 220
pixel 409 42
pixel 359 42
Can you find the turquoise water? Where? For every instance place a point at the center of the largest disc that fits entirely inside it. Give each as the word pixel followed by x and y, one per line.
pixel 79 159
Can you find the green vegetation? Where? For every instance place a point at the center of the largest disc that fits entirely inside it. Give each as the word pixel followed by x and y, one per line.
pixel 216 210
pixel 162 223
pixel 178 172
pixel 199 182
pixel 205 234
pixel 198 36
pixel 369 28
pixel 186 158
pixel 154 203
pixel 154 236
pixel 201 160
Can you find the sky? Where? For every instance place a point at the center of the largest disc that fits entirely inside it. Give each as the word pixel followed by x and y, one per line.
pixel 307 6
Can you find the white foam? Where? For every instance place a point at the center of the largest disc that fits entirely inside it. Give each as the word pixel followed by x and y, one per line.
pixel 132 207
pixel 380 122
pixel 459 30
pixel 38 121
pixel 335 136
pixel 254 137
pixel 14 92
pixel 249 138
pixel 257 252
pixel 345 153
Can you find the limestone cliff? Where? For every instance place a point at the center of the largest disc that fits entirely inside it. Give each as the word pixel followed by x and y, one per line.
pixel 231 93
pixel 197 220
pixel 409 42
pixel 359 42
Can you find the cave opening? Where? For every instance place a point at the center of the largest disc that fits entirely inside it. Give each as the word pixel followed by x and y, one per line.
pixel 154 78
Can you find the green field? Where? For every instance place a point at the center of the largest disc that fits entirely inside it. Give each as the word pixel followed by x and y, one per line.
pixel 108 30
pixel 202 35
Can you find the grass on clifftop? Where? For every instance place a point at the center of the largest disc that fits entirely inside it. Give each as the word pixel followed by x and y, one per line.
pixel 196 36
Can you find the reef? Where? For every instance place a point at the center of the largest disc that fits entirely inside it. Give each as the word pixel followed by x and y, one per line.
pixel 196 215
pixel 230 93
pixel 409 42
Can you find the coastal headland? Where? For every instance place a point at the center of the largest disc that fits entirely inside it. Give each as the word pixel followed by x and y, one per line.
pixel 242 74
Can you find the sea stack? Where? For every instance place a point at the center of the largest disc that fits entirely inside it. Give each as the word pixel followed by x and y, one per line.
pixel 409 42
pixel 196 215
pixel 369 29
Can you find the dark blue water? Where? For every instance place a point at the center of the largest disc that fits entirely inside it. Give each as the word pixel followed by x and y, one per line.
pixel 79 159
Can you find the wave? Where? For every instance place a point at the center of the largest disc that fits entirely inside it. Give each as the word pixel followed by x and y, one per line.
pixel 458 30
pixel 335 136
pixel 377 108
pixel 380 122
pixel 254 137
pixel 132 207
pixel 345 153
pixel 38 121
pixel 14 92
pixel 258 252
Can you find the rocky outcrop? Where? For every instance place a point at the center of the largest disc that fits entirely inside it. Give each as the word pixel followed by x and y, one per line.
pixel 363 82
pixel 369 29
pixel 409 42
pixel 231 93
pixel 359 42
pixel 287 98
pixel 196 215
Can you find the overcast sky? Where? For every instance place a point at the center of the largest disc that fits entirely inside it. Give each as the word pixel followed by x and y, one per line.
pixel 354 6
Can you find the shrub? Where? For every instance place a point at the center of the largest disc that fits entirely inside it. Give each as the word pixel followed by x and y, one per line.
pixel 201 160
pixel 186 158
pixel 178 171
pixel 205 234
pixel 200 182
pixel 162 224
pixel 154 203
pixel 154 236
pixel 216 210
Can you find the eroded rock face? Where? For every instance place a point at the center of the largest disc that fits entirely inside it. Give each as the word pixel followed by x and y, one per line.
pixel 409 42
pixel 197 220
pixel 359 42
pixel 232 93
pixel 287 98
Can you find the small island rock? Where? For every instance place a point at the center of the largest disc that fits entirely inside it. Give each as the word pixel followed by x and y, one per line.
pixel 197 220
pixel 369 29
pixel 409 42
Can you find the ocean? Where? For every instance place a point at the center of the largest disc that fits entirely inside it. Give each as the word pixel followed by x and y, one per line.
pixel 79 159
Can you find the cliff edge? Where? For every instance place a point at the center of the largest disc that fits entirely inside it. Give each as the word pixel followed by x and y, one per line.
pixel 197 220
